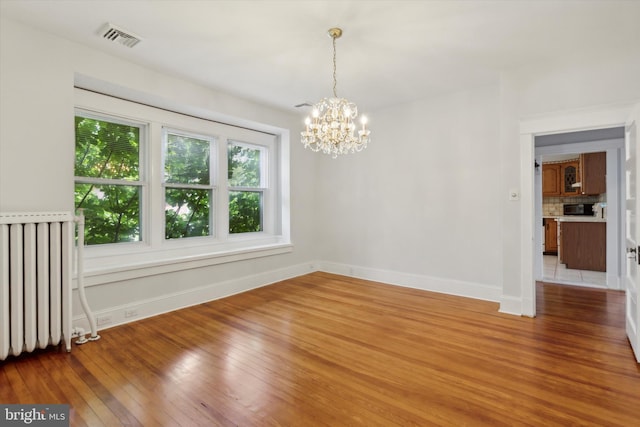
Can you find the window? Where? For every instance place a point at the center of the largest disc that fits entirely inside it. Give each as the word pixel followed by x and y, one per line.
pixel 247 184
pixel 163 190
pixel 189 200
pixel 108 183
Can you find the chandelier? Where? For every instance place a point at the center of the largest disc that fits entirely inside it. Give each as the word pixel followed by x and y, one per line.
pixel 331 127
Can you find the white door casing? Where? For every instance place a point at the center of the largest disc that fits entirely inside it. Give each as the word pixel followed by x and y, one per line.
pixel 632 232
pixel 613 116
pixel 560 122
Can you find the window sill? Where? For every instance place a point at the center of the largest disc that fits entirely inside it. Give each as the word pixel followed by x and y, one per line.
pixel 101 269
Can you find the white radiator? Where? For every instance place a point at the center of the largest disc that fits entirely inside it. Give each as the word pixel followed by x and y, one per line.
pixel 35 281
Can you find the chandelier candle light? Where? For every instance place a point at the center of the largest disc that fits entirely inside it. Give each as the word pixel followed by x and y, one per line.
pixel 331 127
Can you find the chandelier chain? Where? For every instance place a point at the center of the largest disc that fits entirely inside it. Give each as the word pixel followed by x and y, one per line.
pixel 335 80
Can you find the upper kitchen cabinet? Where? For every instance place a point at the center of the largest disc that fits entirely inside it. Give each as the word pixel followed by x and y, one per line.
pixel 551 179
pixel 558 178
pixel 582 176
pixel 569 174
pixel 593 168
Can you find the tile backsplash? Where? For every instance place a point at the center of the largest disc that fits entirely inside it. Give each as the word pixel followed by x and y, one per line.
pixel 552 206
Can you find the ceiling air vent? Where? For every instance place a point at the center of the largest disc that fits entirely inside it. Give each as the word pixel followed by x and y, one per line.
pixel 116 34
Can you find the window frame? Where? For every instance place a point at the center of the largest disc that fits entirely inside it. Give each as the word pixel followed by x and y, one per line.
pixel 213 177
pixel 154 254
pixel 266 152
pixel 142 167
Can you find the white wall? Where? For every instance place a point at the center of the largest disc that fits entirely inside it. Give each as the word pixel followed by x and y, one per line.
pixel 426 205
pixel 577 82
pixel 419 206
pixel 36 132
pixel 37 152
pixel 576 86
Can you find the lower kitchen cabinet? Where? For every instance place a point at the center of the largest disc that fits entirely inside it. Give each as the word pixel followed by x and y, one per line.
pixel 584 245
pixel 550 236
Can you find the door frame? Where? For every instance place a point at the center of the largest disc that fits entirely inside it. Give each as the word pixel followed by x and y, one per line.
pixel 614 149
pixel 584 119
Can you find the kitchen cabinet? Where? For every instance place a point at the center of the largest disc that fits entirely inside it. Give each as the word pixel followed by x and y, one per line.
pixel 593 169
pixel 569 174
pixel 551 179
pixel 558 178
pixel 583 245
pixel 550 236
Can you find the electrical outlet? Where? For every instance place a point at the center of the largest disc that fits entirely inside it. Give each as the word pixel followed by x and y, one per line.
pixel 130 312
pixel 103 320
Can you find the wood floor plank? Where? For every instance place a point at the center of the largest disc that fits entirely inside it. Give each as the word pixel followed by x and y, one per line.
pixel 12 384
pixel 80 410
pixel 149 378
pixel 327 350
pixel 144 409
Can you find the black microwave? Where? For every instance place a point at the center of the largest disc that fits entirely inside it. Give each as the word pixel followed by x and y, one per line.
pixel 578 209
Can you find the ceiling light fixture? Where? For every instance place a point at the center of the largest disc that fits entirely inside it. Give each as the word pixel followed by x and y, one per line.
pixel 330 128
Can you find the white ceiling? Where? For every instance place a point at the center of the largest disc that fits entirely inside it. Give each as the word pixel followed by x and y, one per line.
pixel 278 52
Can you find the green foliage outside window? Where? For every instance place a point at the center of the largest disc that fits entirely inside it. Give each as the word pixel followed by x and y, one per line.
pixel 186 160
pixel 245 206
pixel 109 187
pixel 107 151
pixel 186 213
pixel 245 211
pixel 187 208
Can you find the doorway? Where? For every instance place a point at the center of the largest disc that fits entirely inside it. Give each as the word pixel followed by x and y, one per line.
pixel 530 231
pixel 560 149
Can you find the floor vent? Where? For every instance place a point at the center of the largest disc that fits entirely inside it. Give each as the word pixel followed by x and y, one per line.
pixel 116 34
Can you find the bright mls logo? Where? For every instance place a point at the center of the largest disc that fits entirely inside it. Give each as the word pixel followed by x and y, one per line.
pixel 34 415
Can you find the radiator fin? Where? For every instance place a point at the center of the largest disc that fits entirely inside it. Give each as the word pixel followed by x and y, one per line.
pixel 35 281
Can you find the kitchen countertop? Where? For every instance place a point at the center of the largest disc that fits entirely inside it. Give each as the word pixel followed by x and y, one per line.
pixel 576 218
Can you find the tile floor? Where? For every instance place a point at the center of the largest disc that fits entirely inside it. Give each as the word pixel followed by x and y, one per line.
pixel 555 272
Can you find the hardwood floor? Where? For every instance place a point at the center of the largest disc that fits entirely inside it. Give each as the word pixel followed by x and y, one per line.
pixel 326 350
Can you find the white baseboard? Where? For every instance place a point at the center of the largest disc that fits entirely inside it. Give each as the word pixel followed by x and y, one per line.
pixel 416 281
pixel 137 310
pixel 511 305
pixel 614 281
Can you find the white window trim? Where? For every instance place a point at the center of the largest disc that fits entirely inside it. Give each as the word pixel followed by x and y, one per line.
pixel 213 177
pixel 155 254
pixel 268 184
pixel 142 181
